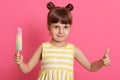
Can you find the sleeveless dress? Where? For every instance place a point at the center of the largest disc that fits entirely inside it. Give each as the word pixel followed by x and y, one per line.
pixel 57 62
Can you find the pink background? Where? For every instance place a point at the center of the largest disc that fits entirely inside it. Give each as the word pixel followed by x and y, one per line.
pixel 96 26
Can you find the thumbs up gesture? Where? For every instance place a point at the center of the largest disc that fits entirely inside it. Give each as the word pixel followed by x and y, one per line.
pixel 106 59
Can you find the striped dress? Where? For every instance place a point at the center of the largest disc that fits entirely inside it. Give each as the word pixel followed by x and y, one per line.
pixel 57 62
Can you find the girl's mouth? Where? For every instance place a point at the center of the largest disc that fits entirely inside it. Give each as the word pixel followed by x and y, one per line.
pixel 60 35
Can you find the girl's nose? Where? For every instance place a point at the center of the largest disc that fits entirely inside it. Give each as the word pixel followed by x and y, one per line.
pixel 61 31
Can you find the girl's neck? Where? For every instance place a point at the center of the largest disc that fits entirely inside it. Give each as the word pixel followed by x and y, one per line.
pixel 58 44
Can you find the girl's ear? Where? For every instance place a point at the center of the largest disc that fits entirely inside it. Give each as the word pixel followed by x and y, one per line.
pixel 69 7
pixel 49 30
pixel 50 5
pixel 48 27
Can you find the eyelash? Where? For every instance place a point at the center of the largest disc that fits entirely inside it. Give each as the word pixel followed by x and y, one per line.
pixel 56 26
pixel 64 27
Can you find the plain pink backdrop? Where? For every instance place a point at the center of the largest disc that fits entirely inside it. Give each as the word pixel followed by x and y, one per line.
pixel 96 26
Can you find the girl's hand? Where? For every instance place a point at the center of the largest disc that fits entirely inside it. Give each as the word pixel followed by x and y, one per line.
pixel 18 58
pixel 106 59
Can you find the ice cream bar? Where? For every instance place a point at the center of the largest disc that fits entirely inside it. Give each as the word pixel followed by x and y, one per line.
pixel 19 39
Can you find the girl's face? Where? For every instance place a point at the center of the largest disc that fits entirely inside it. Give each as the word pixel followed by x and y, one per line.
pixel 59 31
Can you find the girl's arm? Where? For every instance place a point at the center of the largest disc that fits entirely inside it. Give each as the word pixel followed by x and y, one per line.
pixel 94 66
pixel 27 67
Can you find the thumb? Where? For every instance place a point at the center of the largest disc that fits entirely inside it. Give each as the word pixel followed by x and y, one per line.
pixel 18 53
pixel 106 52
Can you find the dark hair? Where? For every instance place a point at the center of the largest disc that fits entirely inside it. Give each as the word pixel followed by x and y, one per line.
pixel 59 14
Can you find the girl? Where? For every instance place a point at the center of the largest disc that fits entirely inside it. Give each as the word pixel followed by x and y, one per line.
pixel 57 55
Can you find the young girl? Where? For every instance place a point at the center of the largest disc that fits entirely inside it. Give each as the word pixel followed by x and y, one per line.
pixel 57 55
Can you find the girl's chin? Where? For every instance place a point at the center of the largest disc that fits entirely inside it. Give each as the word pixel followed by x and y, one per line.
pixel 60 40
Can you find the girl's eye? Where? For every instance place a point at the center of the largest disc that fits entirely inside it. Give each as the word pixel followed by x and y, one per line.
pixel 66 27
pixel 56 27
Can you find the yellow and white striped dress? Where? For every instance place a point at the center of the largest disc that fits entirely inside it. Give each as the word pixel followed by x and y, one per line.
pixel 57 62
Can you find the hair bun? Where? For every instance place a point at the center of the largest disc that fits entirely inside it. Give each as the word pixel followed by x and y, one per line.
pixel 69 7
pixel 50 5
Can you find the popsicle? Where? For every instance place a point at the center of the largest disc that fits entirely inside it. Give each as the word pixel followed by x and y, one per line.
pixel 19 39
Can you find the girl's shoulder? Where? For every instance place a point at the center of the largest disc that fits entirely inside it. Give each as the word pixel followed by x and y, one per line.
pixel 71 44
pixel 45 44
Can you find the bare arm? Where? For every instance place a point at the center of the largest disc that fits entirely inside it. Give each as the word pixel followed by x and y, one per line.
pixel 91 66
pixel 27 67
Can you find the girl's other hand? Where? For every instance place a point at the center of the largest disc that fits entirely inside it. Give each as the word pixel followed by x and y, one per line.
pixel 106 59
